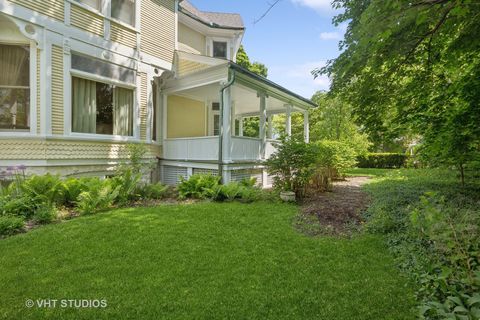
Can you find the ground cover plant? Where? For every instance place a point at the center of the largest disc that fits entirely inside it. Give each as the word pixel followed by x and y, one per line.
pixel 432 225
pixel 204 260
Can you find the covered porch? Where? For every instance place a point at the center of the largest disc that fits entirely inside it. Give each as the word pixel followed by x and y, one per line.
pixel 204 116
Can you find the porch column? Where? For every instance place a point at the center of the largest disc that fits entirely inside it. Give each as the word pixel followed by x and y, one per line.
pixel 233 125
pixel 240 126
pixel 288 122
pixel 164 112
pixel 270 127
pixel 263 119
pixel 306 127
pixel 226 124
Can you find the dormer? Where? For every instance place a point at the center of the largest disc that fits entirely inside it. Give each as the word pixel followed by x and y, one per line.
pixel 211 34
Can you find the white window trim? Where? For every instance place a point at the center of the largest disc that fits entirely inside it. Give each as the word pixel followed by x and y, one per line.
pixel 33 91
pixel 95 136
pixel 210 41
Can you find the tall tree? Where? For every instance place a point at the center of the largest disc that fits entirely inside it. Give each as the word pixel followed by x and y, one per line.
pixel 413 67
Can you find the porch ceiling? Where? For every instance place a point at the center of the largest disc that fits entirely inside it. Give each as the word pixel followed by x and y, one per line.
pixel 245 100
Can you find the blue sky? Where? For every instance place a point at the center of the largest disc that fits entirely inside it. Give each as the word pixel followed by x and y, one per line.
pixel 293 39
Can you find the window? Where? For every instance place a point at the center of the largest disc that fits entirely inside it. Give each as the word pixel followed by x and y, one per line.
pixel 124 10
pixel 216 118
pixel 14 87
pixel 101 108
pixel 91 3
pixel 219 49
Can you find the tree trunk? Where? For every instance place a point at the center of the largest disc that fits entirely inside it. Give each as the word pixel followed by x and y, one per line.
pixel 462 174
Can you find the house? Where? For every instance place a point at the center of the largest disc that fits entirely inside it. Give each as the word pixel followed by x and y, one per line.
pixel 80 79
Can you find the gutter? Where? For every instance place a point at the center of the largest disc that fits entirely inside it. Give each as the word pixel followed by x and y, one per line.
pixel 220 147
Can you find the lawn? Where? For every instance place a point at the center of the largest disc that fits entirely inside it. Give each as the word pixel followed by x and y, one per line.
pixel 200 261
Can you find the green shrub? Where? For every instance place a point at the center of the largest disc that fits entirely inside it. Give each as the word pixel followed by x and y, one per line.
pixel 10 225
pixel 99 196
pixel 292 165
pixel 126 183
pixel 227 192
pixel 73 187
pixel 47 189
pixel 383 160
pixel 198 186
pixel 152 191
pixel 21 206
pixel 45 214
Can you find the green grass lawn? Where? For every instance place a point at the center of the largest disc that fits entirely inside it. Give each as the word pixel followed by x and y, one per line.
pixel 201 261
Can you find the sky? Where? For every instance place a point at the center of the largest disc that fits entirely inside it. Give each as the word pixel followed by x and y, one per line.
pixel 296 37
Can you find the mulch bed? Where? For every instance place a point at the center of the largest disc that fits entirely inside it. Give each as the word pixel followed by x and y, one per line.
pixel 336 213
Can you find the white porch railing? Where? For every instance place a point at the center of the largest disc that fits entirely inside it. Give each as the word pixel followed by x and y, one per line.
pixel 201 148
pixel 245 148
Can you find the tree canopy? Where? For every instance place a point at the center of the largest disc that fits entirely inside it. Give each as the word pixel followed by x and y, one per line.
pixel 412 68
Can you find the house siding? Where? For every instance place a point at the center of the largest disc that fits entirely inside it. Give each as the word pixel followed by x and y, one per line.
pixel 53 8
pixel 186 118
pixel 86 20
pixel 191 40
pixel 123 35
pixel 57 91
pixel 186 67
pixel 158 28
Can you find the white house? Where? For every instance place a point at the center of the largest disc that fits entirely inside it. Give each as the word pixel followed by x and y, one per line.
pixel 80 79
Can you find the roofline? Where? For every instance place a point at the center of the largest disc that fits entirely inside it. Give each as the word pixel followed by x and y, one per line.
pixel 213 25
pixel 264 80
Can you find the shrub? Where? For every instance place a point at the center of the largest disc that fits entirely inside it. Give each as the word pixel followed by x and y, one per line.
pixel 198 186
pixel 47 189
pixel 73 187
pixel 227 192
pixel 45 214
pixel 292 165
pixel 383 160
pixel 126 183
pixel 99 197
pixel 10 225
pixel 152 191
pixel 21 206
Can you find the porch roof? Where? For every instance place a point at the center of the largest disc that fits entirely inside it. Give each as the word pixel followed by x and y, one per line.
pixel 245 78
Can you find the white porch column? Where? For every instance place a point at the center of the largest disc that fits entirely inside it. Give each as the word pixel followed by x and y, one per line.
pixel 240 126
pixel 263 119
pixel 233 126
pixel 270 127
pixel 227 124
pixel 288 122
pixel 306 127
pixel 164 99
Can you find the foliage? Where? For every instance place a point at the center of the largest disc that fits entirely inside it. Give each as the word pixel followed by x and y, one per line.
pixel 255 67
pixel 20 206
pixel 152 191
pixel 433 228
pixel 10 225
pixel 411 68
pixel 198 186
pixel 73 187
pixel 45 214
pixel 46 189
pixel 100 196
pixel 227 192
pixel 292 165
pixel 382 160
pixel 333 158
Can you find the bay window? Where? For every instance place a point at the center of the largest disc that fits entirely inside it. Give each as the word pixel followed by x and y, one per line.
pixel 14 87
pixel 124 11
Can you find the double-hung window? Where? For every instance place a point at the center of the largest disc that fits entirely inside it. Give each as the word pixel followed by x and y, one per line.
pixel 124 11
pixel 14 87
pixel 102 106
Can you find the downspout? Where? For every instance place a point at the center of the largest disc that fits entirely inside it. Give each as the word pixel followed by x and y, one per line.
pixel 220 136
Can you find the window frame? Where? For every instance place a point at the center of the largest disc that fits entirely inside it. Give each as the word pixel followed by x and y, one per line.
pixel 93 77
pixel 210 42
pixel 32 131
pixel 211 118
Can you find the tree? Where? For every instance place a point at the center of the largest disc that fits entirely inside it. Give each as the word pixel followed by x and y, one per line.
pixel 412 68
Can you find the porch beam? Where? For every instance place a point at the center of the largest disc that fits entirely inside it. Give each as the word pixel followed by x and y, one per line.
pixel 263 120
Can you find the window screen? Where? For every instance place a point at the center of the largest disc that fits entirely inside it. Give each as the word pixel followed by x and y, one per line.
pixel 102 68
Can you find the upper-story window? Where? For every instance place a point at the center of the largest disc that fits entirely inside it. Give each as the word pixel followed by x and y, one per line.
pixel 95 4
pixel 14 87
pixel 124 10
pixel 220 49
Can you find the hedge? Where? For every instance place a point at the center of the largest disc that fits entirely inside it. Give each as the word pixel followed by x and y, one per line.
pixel 382 160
